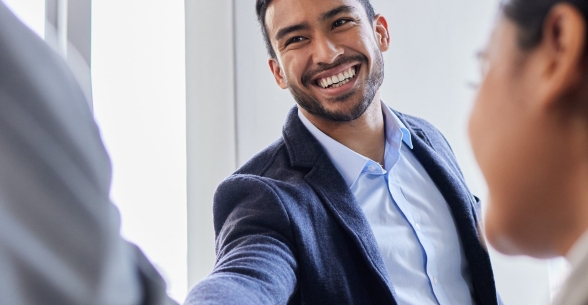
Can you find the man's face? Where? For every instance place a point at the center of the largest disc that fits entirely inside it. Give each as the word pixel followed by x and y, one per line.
pixel 328 54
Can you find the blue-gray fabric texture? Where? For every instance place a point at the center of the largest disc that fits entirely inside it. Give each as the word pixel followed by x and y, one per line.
pixel 289 230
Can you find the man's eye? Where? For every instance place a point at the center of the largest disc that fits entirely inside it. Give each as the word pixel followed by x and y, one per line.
pixel 340 22
pixel 294 40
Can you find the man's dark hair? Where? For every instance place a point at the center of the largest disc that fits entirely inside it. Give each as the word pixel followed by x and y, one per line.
pixel 261 8
pixel 529 16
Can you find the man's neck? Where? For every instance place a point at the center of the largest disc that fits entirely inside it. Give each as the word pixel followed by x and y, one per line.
pixel 365 135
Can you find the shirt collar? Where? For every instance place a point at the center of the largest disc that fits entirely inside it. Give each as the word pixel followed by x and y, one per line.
pixel 349 163
pixel 393 124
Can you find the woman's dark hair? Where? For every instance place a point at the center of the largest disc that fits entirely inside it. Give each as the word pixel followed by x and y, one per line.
pixel 261 8
pixel 529 15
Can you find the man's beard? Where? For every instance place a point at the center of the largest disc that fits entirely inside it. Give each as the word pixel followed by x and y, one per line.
pixel 314 106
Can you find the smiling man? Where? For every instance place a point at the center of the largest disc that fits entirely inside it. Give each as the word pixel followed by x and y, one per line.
pixel 356 203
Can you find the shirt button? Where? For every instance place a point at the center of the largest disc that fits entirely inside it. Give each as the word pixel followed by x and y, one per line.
pixel 417 227
pixel 372 168
pixel 435 280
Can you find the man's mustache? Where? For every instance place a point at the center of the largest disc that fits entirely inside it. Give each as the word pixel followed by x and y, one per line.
pixel 308 76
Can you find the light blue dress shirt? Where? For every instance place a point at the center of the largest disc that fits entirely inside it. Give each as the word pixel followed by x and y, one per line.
pixel 409 217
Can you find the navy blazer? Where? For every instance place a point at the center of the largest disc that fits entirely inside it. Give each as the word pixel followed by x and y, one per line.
pixel 289 230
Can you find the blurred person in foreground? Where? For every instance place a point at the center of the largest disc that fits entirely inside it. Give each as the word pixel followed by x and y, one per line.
pixel 356 203
pixel 59 231
pixel 529 131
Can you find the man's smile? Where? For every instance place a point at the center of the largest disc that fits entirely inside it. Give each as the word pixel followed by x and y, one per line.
pixel 336 80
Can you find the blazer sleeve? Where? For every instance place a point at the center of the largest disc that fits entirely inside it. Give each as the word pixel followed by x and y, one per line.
pixel 255 259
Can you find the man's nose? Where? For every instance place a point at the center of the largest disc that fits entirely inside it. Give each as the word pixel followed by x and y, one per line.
pixel 326 50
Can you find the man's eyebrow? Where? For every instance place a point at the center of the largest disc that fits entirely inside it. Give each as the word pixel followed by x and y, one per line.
pixel 336 11
pixel 293 28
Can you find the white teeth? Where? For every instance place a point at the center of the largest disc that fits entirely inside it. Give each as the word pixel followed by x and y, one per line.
pixel 337 85
pixel 339 80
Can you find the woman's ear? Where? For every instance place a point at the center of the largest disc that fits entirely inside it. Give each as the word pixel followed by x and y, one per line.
pixel 561 52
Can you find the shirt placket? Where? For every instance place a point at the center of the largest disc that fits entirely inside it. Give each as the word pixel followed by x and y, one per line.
pixel 429 252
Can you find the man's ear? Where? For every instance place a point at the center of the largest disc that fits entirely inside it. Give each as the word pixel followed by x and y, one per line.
pixel 277 72
pixel 382 34
pixel 561 52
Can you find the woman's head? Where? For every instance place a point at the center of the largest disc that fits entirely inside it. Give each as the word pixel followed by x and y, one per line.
pixel 529 16
pixel 529 127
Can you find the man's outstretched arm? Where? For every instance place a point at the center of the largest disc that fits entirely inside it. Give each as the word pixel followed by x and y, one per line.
pixel 255 261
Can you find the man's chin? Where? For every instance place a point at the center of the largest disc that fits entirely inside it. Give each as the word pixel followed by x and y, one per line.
pixel 338 114
pixel 342 108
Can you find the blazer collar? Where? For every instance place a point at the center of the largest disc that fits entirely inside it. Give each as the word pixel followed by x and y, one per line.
pixel 303 149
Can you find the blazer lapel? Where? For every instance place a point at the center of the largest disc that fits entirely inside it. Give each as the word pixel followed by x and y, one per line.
pixel 305 151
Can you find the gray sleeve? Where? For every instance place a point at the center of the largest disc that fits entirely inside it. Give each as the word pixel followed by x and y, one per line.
pixel 59 232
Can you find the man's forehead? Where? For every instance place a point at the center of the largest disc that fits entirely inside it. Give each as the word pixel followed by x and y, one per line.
pixel 283 13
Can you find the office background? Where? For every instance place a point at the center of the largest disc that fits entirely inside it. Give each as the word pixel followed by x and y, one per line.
pixel 183 96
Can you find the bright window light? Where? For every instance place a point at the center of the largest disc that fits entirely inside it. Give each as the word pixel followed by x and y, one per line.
pixel 31 12
pixel 139 103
